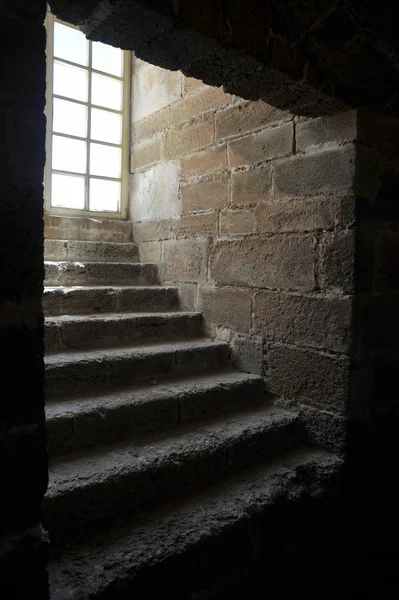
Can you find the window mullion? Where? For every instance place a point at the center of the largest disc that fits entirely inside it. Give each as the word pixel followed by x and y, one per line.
pixel 87 202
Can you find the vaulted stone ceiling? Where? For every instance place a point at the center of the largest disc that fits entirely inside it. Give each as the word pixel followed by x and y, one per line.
pixel 312 56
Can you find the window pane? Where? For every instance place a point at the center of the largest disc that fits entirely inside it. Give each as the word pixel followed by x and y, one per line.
pixel 106 92
pixel 70 44
pixel 69 155
pixel 67 191
pixel 106 126
pixel 70 81
pixel 106 58
pixel 105 160
pixel 69 117
pixel 104 195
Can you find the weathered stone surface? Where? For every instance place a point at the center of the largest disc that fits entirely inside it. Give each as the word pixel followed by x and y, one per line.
pixel 90 251
pixel 308 377
pixel 184 260
pixel 248 354
pixel 191 85
pixel 265 145
pixel 251 187
pixel 153 89
pixel 201 163
pixel 87 229
pixel 335 130
pixel 151 230
pixel 337 261
pixel 327 171
pixel 325 428
pixel 319 321
pixel 145 154
pixel 206 99
pixel 205 195
pixel 90 300
pixel 226 307
pixel 150 252
pixel 242 118
pixel 237 221
pixel 188 138
pixel 278 262
pixel 151 125
pixel 154 193
pixel 90 273
pixel 196 225
pixel 188 296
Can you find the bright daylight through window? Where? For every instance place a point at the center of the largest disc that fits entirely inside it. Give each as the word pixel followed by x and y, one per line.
pixel 87 123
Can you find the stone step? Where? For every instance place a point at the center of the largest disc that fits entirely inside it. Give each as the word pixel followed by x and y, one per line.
pixel 90 251
pixel 87 229
pixel 111 299
pixel 202 538
pixel 103 483
pixel 100 273
pixel 74 423
pixel 105 331
pixel 76 372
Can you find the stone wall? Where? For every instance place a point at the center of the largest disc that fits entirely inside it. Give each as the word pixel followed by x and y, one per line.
pixel 252 211
pixel 22 433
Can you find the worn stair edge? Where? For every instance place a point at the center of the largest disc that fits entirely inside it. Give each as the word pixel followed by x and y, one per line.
pixel 123 477
pixel 74 372
pixel 102 273
pixel 111 299
pixel 87 229
pixel 105 331
pixel 64 250
pixel 185 542
pixel 77 423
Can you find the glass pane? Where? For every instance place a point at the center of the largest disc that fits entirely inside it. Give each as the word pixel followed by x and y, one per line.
pixel 106 92
pixel 69 117
pixel 105 160
pixel 70 81
pixel 106 126
pixel 106 58
pixel 67 191
pixel 104 195
pixel 70 44
pixel 69 155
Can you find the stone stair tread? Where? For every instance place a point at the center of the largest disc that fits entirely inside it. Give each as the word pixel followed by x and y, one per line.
pixel 97 262
pixel 122 558
pixel 173 314
pixel 84 469
pixel 110 287
pixel 98 354
pixel 144 393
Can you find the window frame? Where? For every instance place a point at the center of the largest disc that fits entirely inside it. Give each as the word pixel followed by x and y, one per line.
pixel 125 146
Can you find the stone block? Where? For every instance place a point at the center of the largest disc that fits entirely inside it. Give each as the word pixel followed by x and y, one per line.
pixel 154 193
pixel 152 89
pixel 324 428
pixel 206 99
pixel 247 354
pixel 226 307
pixel 150 252
pixel 188 296
pixel 266 145
pixel 311 214
pixel 191 85
pixel 145 154
pixel 316 320
pixel 152 230
pixel 243 118
pixel 205 195
pixel 337 261
pixel 237 221
pixel 189 138
pixel 196 225
pixel 308 377
pixel 151 125
pixel 336 129
pixel 310 175
pixel 280 261
pixel 202 163
pixel 185 260
pixel 251 187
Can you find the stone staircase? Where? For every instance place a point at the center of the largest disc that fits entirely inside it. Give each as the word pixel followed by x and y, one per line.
pixel 162 456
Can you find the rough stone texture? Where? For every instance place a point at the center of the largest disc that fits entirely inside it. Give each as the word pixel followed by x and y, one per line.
pixel 87 229
pixel 226 307
pixel 237 221
pixel 320 321
pixel 259 147
pixel 96 273
pixel 205 195
pixel 184 260
pixel 248 354
pixel 159 88
pixel 251 187
pixel 90 251
pixel 154 193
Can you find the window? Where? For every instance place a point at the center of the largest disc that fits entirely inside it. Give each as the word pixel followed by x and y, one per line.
pixel 87 108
